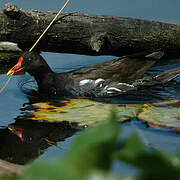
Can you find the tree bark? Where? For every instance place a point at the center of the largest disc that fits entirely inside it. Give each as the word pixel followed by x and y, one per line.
pixel 87 34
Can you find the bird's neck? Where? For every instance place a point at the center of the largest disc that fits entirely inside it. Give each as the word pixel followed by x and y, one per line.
pixel 42 75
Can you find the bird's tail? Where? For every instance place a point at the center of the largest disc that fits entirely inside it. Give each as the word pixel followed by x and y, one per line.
pixel 161 78
pixel 167 75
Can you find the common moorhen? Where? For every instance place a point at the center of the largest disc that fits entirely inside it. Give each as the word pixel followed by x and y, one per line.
pixel 101 80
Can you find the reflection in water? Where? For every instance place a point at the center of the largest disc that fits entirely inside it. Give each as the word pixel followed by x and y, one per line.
pixel 36 137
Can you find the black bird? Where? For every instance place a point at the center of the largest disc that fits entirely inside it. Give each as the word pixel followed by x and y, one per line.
pixel 101 80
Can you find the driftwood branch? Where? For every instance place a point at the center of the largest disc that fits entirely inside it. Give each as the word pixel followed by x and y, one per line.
pixel 87 34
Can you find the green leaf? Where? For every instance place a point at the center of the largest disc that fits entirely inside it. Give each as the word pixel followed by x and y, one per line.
pixel 162 115
pixel 104 176
pixel 132 148
pixel 152 164
pixel 82 112
pixel 93 150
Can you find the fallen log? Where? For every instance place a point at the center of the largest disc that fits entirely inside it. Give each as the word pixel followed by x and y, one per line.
pixel 8 52
pixel 87 34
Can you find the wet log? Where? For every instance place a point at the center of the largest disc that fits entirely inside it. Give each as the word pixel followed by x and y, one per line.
pixel 9 51
pixel 80 33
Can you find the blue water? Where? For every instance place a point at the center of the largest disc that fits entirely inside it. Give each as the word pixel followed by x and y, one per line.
pixel 13 99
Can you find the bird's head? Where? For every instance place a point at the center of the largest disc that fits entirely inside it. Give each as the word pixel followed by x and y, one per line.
pixel 29 62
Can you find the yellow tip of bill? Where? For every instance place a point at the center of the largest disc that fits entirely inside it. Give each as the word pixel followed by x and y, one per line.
pixel 10 73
